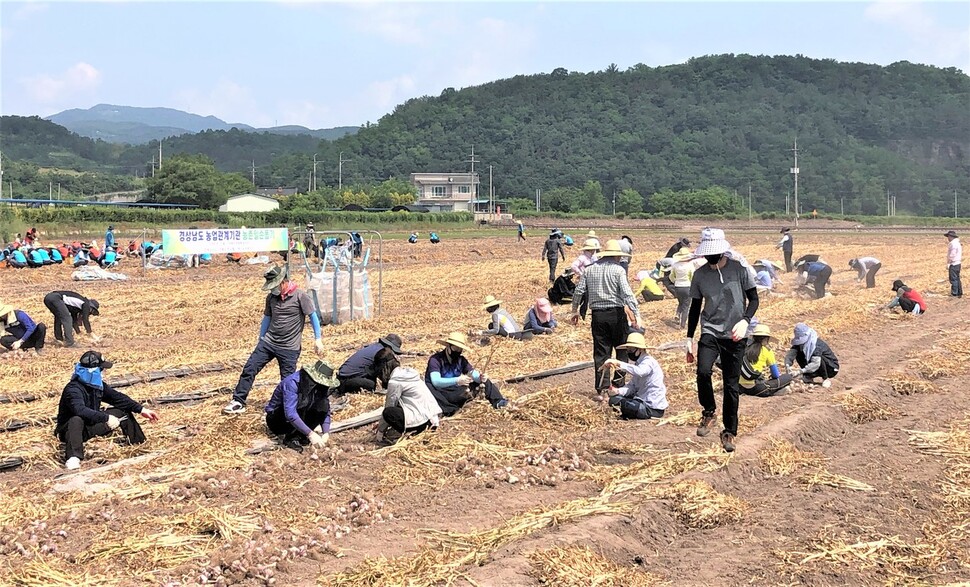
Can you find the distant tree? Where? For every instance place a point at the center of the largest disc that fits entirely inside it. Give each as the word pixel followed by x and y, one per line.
pixel 713 200
pixel 189 179
pixel 591 197
pixel 560 200
pixel 629 201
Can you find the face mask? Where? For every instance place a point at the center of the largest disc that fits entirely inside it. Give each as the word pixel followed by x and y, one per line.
pixel 88 376
pixel 455 352
pixel 713 259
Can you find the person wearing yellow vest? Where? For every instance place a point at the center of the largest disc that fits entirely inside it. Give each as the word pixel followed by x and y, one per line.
pixel 760 375
pixel 649 287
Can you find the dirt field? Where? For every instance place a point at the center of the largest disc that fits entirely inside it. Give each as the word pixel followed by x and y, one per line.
pixel 866 483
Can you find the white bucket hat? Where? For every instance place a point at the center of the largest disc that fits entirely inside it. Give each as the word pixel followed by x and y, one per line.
pixel 712 243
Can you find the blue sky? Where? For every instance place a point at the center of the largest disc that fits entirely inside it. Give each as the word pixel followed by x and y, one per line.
pixel 325 64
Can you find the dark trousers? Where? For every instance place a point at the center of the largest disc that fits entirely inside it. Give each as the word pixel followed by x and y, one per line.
pixel 956 286
pixel 821 280
pixel 394 416
pixel 871 275
pixel 63 323
pixel 651 297
pixel 767 387
pixel 15 264
pixel 262 355
pixel 553 262
pixel 356 385
pixel 34 341
pixel 521 237
pixel 825 371
pixel 452 399
pixel 609 328
pixel 709 348
pixel 634 409
pixel 313 415
pixel 788 266
pixel 76 432
pixel 683 303
pixel 908 305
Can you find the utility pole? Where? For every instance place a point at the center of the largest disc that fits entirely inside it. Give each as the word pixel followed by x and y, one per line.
pixel 539 194
pixel 340 171
pixel 794 171
pixel 473 160
pixel 1 173
pixel 842 204
pixel 58 190
pixel 153 165
pixel 954 200
pixel 749 204
pixel 614 201
pixel 50 192
pixel 491 204
pixel 159 154
pixel 254 173
pixel 313 181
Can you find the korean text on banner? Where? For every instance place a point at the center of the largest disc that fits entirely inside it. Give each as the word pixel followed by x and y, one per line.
pixel 222 240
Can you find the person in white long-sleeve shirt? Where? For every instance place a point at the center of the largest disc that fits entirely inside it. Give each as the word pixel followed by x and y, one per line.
pixel 867 267
pixel 409 406
pixel 954 258
pixel 645 395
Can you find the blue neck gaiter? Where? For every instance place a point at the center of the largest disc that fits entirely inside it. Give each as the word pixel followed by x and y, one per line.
pixel 88 376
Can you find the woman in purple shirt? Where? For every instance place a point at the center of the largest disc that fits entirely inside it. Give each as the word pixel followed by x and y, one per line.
pixel 299 410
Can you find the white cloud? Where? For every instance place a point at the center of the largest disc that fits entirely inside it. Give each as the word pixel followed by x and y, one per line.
pixel 395 23
pixel 29 9
pixel 78 79
pixel 934 41
pixel 228 100
pixel 387 93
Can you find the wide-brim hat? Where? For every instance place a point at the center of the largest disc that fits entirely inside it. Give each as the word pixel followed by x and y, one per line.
pixel 896 285
pixel 761 330
pixel 784 230
pixel 612 249
pixel 591 233
pixel 323 374
pixel 681 255
pixel 274 277
pixel 951 233
pixel 93 360
pixel 634 340
pixel 6 312
pixel 391 341
pixel 490 301
pixel 95 307
pixel 590 245
pixel 712 243
pixel 457 339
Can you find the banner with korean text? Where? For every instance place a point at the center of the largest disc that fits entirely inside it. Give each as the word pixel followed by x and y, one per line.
pixel 224 240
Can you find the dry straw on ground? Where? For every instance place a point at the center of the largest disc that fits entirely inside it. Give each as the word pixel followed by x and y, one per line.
pixel 862 409
pixel 579 566
pixel 699 505
pixel 904 384
pixel 823 477
pixel 781 458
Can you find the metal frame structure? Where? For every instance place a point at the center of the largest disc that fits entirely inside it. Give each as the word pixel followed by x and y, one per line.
pixel 302 234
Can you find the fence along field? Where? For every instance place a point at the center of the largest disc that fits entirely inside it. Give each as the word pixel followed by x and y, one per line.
pixel 192 506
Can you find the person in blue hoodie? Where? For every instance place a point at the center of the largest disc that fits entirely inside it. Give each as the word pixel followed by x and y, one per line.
pixel 433 237
pixel 109 259
pixel 79 413
pixel 81 258
pixel 21 331
pixel 17 259
pixel 109 238
pixel 34 258
pixel 45 256
pixel 56 255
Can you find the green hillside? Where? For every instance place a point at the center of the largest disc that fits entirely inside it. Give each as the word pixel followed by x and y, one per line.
pixel 863 131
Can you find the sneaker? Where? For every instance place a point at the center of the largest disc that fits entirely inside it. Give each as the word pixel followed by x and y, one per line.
pixel 234 407
pixel 704 428
pixel 72 464
pixel 727 441
pixel 339 402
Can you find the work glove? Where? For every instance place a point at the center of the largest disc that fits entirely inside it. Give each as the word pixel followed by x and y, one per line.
pixel 16 345
pixel 464 380
pixel 318 440
pixel 318 345
pixel 113 422
pixel 740 330
pixel 150 415
pixel 689 348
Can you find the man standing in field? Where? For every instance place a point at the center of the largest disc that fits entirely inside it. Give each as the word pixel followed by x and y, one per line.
pixel 613 306
pixel 954 258
pixel 551 252
pixel 521 231
pixel 280 333
pixel 720 287
pixel 785 244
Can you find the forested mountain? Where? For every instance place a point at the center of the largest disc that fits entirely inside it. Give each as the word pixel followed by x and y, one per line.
pixel 136 126
pixel 723 120
pixel 731 121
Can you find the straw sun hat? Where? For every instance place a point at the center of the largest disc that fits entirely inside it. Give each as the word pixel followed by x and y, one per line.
pixel 612 249
pixel 761 330
pixel 457 339
pixel 490 301
pixel 634 340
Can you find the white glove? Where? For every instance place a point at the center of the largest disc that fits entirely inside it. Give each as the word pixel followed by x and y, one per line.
pixel 740 330
pixel 16 345
pixel 689 349
pixel 318 345
pixel 318 440
pixel 113 422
